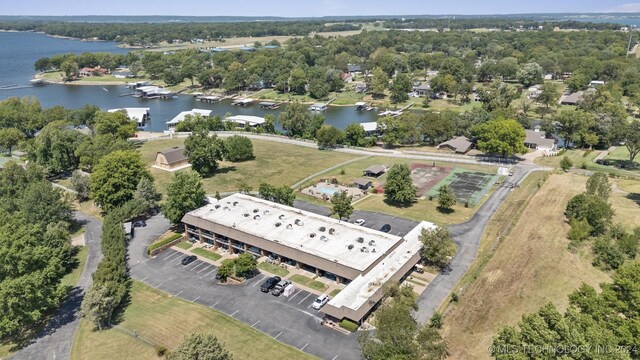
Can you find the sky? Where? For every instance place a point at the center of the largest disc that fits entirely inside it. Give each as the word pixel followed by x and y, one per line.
pixel 302 8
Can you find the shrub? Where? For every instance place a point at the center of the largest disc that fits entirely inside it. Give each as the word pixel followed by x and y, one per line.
pixel 162 243
pixel 566 163
pixel 349 325
pixel 161 350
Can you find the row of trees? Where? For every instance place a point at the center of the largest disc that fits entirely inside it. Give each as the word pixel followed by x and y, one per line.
pixel 205 150
pixel 34 250
pixel 590 215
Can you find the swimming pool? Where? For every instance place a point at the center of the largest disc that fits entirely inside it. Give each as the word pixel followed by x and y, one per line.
pixel 328 191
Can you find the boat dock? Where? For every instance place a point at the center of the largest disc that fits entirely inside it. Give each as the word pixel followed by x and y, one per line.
pixel 269 105
pixel 208 98
pixel 363 106
pixel 242 102
pixel 394 113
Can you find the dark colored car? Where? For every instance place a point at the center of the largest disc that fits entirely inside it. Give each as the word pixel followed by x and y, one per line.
pixel 139 223
pixel 189 259
pixel 385 228
pixel 270 283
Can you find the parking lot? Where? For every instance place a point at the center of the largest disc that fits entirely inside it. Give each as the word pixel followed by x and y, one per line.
pixel 290 320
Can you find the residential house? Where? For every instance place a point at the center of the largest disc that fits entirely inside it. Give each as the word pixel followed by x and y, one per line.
pixel 535 139
pixel 362 184
pixel 354 68
pixel 172 159
pixel 459 144
pixel 374 171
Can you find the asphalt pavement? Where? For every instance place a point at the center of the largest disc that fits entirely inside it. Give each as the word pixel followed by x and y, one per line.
pixel 56 339
pixel 289 320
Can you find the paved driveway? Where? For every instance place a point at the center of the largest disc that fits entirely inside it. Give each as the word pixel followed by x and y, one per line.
pixel 289 320
pixel 55 341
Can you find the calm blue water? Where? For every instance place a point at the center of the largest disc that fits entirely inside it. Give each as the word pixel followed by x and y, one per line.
pixel 19 51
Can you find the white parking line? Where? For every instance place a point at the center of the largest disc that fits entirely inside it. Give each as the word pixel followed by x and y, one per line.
pixel 214 304
pixel 256 323
pixel 257 282
pixel 197 266
pixel 204 268
pixel 144 279
pixel 335 357
pixel 305 345
pixel 194 300
pixel 294 295
pixel 172 256
pixel 398 233
pixel 157 286
pixel 207 274
pixel 280 333
pixel 235 312
pixel 305 298
pixel 179 293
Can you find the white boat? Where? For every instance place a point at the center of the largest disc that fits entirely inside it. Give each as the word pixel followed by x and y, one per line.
pixel 392 113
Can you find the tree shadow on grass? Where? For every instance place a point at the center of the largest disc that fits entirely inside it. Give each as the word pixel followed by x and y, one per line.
pixel 225 170
pixel 445 211
pixel 397 204
pixel 635 197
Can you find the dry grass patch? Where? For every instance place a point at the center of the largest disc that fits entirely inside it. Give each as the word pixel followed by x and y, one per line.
pixel 163 319
pixel 625 200
pixel 531 267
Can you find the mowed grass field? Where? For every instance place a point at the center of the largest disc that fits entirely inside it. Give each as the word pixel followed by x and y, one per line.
pixel 275 163
pixel 625 199
pixel 532 266
pixel 162 319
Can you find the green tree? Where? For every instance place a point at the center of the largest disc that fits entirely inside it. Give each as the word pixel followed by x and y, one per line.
pixel 341 205
pixel 92 149
pixel 530 74
pixel 115 178
pixel 400 87
pixel 55 146
pixel 501 136
pixel 566 164
pixel 245 265
pixel 446 198
pixel 81 185
pixel 632 139
pixel 299 122
pixel 497 95
pixel 40 200
pixel 70 69
pixel 548 96
pixel 97 306
pixel 238 148
pixel 598 185
pixel 184 193
pixel 269 124
pixel 399 187
pixel 319 89
pixel 580 230
pixel 200 346
pixel 595 210
pixel 279 194
pixel 329 136
pixel 114 123
pixel 203 151
pixel 438 247
pixel 578 82
pixel 298 81
pixel 147 194
pixel 10 137
pixel 354 135
pixel 574 124
pixel 379 83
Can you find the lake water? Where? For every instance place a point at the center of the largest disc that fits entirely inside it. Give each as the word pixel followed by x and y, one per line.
pixel 20 50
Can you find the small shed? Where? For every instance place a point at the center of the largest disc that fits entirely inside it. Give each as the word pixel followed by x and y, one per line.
pixel 374 171
pixel 363 184
pixel 459 144
pixel 128 230
pixel 172 159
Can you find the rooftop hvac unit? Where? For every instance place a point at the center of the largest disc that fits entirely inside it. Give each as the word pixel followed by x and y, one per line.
pixel 360 240
pixel 235 203
pixel 256 217
pixel 321 228
pixel 373 250
pixel 281 217
pixel 350 246
pixel 331 231
pixel 324 238
pixel 298 222
pixel 289 226
pixel 217 206
pixel 278 224
pixel 364 249
pixel 372 243
pixel 245 214
pixel 255 210
pixel 312 235
pixel 266 212
pixel 226 208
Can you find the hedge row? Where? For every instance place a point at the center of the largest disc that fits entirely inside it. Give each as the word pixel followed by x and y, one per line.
pixel 349 325
pixel 162 243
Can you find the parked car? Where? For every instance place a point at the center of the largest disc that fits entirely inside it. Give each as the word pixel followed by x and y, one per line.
pixel 269 283
pixel 139 223
pixel 359 222
pixel 279 288
pixel 385 228
pixel 188 259
pixel 320 301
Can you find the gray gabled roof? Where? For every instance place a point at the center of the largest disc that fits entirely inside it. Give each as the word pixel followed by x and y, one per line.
pixel 537 137
pixel 362 182
pixel 174 155
pixel 375 169
pixel 459 143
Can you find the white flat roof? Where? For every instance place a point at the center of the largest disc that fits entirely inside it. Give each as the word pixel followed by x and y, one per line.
pixel 360 290
pixel 193 112
pixel 246 119
pixel 370 126
pixel 299 229
pixel 136 114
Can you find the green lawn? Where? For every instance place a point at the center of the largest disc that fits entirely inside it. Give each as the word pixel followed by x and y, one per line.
pixel 579 157
pixel 620 153
pixel 307 281
pixel 334 293
pixel 72 278
pixel 274 269
pixel 276 163
pixel 165 320
pixel 207 254
pixel 185 245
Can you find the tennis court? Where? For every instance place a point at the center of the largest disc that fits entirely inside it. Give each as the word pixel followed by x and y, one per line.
pixel 469 186
pixel 424 176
